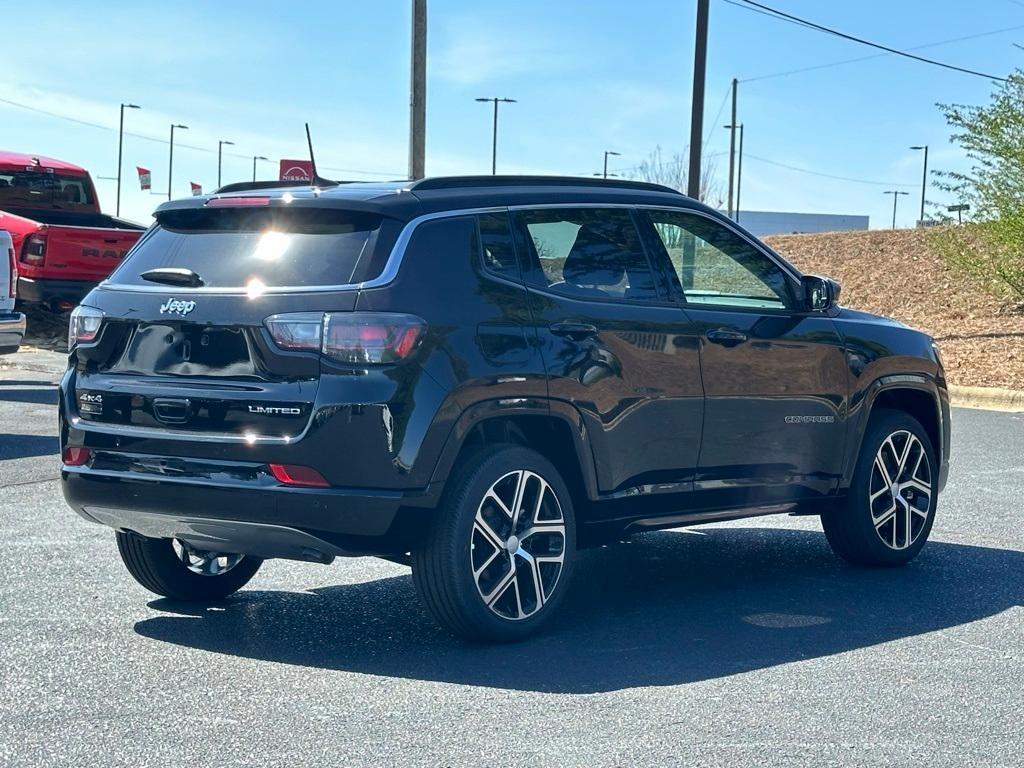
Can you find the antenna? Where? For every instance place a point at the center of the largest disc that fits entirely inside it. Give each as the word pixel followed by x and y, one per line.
pixel 318 180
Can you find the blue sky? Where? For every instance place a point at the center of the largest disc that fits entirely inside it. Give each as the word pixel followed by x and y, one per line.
pixel 589 76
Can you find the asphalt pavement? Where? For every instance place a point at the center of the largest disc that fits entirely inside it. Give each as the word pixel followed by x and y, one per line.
pixel 744 643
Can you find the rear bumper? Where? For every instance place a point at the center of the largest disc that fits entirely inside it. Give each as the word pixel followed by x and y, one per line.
pixel 251 516
pixel 12 330
pixel 36 290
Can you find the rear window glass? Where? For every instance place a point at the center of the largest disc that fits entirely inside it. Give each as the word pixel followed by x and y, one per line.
pixel 41 189
pixel 265 248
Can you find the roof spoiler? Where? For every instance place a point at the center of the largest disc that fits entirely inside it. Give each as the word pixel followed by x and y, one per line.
pixel 248 186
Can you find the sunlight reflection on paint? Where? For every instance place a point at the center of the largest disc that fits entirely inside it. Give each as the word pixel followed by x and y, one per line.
pixel 255 288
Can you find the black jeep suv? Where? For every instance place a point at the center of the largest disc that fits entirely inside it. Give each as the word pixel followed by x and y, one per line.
pixel 477 376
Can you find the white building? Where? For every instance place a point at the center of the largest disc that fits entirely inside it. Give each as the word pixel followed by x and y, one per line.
pixel 762 223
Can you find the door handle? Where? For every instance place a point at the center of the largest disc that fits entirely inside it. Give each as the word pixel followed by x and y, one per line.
pixel 574 331
pixel 726 336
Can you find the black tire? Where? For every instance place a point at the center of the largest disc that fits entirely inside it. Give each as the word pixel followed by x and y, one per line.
pixel 455 547
pixel 156 566
pixel 850 528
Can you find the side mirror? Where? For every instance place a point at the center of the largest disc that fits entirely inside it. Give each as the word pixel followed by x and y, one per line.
pixel 820 293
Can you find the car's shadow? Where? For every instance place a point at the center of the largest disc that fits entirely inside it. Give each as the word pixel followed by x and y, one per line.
pixel 42 395
pixel 25 446
pixel 666 608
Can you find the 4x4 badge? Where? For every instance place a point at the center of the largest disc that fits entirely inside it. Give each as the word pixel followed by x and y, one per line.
pixel 177 307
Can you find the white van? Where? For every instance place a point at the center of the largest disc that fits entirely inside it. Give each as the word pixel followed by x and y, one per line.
pixel 12 324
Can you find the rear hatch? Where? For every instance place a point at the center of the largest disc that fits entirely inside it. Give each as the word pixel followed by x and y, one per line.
pixel 183 346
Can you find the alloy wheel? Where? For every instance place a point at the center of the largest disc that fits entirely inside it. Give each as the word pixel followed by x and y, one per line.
pixel 517 545
pixel 203 562
pixel 900 493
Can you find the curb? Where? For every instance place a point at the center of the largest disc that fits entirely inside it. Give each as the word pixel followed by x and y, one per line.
pixel 987 398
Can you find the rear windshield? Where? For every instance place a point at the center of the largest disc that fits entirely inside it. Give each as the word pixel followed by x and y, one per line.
pixel 267 247
pixel 41 189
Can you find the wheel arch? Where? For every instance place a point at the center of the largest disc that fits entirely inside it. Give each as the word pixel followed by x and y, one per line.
pixel 917 396
pixel 553 428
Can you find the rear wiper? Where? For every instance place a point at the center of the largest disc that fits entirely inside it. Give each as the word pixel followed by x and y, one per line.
pixel 173 276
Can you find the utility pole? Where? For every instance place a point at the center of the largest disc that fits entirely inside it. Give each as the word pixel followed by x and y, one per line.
pixel 924 180
pixel 170 162
pixel 494 137
pixel 220 152
pixel 418 92
pixel 606 153
pixel 120 148
pixel 700 60
pixel 732 144
pixel 895 197
pixel 739 176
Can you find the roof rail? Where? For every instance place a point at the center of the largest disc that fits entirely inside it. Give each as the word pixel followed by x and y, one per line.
pixel 461 182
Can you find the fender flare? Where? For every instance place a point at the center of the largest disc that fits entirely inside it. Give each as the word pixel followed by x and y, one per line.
pixel 860 413
pixel 486 410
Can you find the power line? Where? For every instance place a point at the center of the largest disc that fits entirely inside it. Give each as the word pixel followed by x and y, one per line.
pixel 751 5
pixel 825 175
pixel 718 114
pixel 177 144
pixel 880 55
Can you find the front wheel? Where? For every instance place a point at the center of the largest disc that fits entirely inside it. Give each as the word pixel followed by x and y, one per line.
pixel 497 560
pixel 887 516
pixel 174 569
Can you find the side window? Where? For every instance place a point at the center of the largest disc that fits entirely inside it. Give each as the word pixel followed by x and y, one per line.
pixel 499 254
pixel 716 266
pixel 586 253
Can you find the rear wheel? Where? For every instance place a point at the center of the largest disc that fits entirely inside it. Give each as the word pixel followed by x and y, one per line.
pixel 888 514
pixel 174 569
pixel 497 561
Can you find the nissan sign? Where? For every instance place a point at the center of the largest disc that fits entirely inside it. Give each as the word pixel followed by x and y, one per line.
pixel 296 170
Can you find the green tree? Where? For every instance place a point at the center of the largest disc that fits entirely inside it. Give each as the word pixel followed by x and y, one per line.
pixel 992 136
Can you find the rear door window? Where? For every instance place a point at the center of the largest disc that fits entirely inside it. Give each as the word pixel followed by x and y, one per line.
pixel 497 249
pixel 589 253
pixel 265 248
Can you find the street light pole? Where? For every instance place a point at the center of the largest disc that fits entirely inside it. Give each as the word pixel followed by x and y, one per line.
pixel 120 148
pixel 220 153
pixel 170 162
pixel 924 178
pixel 494 138
pixel 895 197
pixel 606 153
pixel 254 159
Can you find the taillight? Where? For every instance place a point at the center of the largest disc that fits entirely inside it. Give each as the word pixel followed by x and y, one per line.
pixel 370 337
pixel 355 338
pixel 34 250
pixel 75 457
pixel 84 325
pixel 14 273
pixel 296 474
pixel 297 331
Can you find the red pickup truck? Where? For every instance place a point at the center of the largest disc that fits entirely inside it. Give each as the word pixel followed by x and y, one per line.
pixel 64 244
